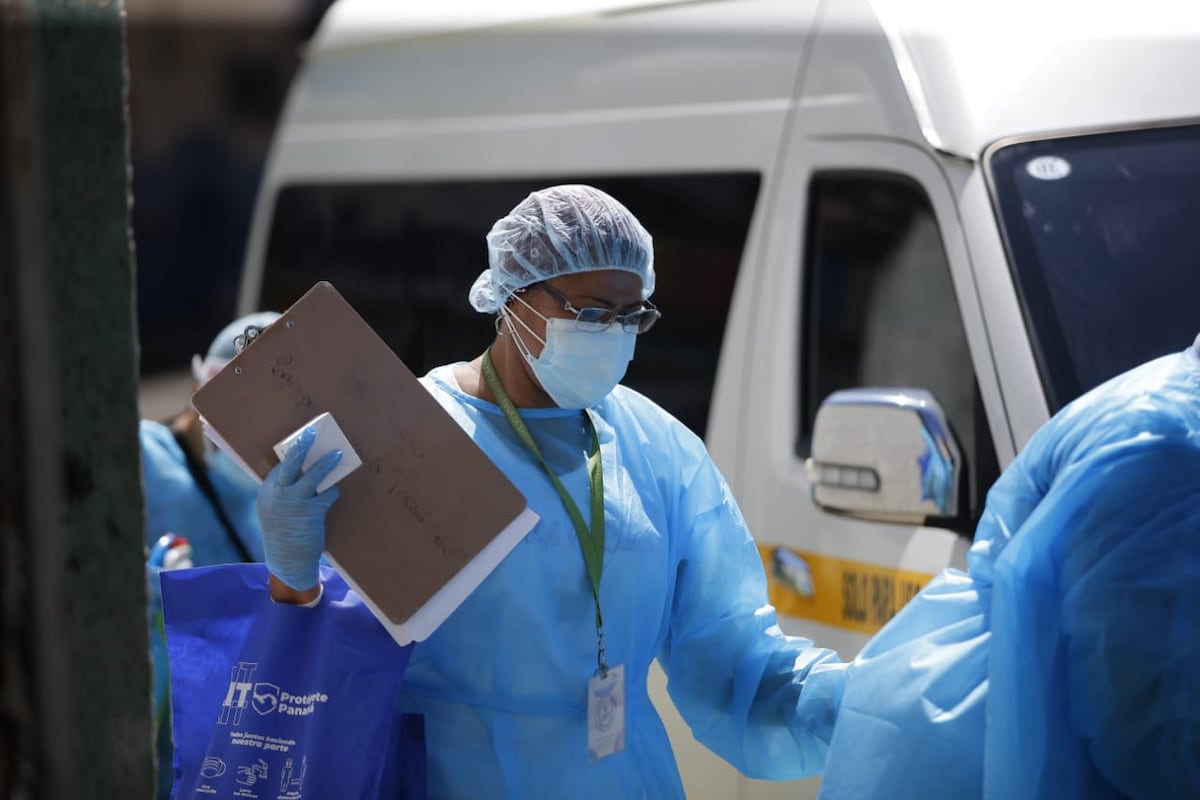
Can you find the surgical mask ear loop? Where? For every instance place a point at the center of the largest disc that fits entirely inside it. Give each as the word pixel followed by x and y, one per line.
pixel 509 317
pixel 517 296
pixel 516 336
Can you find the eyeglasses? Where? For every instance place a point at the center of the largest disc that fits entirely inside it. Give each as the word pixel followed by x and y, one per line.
pixel 598 319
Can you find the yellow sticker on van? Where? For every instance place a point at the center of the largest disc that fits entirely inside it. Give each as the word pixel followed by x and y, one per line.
pixel 846 594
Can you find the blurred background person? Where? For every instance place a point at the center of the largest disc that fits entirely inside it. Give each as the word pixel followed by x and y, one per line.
pixel 199 511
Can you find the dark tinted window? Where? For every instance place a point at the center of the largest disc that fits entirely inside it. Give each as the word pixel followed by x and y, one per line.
pixel 1103 234
pixel 405 255
pixel 881 309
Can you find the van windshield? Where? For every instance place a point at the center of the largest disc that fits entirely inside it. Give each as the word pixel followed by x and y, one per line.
pixel 1103 234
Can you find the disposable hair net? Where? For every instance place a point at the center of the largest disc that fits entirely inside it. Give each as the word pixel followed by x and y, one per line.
pixel 222 349
pixel 558 231
pixel 1063 664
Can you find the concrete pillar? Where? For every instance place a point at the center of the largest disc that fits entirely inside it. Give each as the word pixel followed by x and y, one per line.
pixel 74 670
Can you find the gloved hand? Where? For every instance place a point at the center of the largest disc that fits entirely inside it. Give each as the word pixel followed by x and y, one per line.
pixel 292 514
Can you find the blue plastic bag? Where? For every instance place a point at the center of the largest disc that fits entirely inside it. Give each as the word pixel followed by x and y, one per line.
pixel 284 702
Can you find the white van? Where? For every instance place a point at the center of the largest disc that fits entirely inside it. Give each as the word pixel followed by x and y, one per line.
pixel 984 209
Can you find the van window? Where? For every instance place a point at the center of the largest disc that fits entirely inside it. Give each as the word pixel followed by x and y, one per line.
pixel 881 309
pixel 406 254
pixel 1102 236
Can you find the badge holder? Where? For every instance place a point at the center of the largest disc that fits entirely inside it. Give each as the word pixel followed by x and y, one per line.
pixel 606 713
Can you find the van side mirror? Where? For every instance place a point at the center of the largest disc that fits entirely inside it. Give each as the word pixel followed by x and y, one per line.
pixel 887 455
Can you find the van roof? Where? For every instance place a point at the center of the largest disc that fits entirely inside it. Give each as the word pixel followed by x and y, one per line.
pixel 980 72
pixel 353 23
pixel 972 73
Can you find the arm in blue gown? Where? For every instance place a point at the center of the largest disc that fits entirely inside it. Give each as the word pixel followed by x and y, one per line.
pixel 763 701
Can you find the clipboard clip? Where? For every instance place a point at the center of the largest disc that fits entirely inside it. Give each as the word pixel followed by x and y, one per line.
pixel 247 337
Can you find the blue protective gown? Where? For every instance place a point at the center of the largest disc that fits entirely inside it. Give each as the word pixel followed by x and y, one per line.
pixel 175 504
pixel 503 682
pixel 1066 663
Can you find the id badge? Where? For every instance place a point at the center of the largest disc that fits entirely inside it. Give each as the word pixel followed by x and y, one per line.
pixel 606 714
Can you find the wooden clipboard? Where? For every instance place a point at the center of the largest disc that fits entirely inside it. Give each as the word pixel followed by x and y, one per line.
pixel 427 516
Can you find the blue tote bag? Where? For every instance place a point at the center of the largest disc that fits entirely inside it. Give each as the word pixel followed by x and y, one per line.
pixel 280 702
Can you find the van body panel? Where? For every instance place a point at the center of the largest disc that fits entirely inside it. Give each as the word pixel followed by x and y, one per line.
pixel 773 487
pixel 851 86
pixel 1023 401
pixel 360 23
pixel 744 137
pixel 689 55
pixel 727 426
pixel 979 73
pixel 977 322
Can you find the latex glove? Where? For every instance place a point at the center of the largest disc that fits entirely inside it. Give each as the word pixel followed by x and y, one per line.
pixel 292 514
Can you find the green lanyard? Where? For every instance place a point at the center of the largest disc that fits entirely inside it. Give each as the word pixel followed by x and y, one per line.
pixel 590 542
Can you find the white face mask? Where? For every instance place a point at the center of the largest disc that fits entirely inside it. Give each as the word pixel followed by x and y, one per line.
pixel 577 368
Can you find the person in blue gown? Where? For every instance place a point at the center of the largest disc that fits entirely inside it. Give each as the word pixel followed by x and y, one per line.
pixel 1065 663
pixel 536 686
pixel 199 503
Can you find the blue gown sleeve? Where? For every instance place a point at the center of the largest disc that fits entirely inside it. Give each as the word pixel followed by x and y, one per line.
pixel 1063 664
pixel 1137 696
pixel 1128 578
pixel 763 701
pixel 913 715
pixel 158 448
